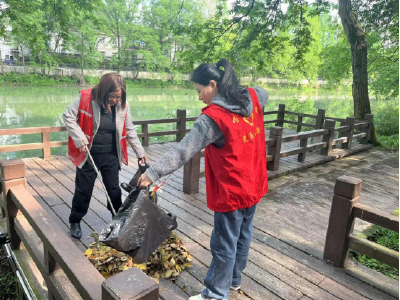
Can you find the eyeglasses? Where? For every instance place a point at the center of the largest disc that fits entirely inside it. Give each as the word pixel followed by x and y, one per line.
pixel 118 98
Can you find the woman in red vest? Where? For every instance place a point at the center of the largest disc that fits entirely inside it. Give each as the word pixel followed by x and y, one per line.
pixel 231 129
pixel 99 118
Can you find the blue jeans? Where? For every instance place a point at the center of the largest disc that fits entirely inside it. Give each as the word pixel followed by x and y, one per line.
pixel 230 244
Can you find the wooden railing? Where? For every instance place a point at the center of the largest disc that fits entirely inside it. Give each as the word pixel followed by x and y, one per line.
pixel 45 145
pixel 67 272
pixel 345 208
pixel 329 135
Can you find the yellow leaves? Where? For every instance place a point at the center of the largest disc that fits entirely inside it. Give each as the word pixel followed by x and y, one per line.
pixel 141 266
pixel 166 262
pixel 168 273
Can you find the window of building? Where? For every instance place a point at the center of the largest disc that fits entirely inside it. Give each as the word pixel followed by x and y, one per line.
pixel 102 40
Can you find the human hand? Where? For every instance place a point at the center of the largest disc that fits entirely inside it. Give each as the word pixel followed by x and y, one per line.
pixel 82 149
pixel 143 160
pixel 144 181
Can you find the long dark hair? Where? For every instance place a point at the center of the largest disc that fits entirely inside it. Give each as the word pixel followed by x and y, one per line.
pixel 226 79
pixel 109 83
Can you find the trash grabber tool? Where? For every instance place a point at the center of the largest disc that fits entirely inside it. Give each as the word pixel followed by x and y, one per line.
pixel 100 178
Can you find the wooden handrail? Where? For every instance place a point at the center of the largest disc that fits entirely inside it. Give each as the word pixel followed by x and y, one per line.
pixel 67 272
pixel 376 216
pixel 275 140
pixel 300 114
pixel 345 208
pixel 374 250
pixel 32 130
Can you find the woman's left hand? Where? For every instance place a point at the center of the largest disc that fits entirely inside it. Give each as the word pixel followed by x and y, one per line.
pixel 142 160
pixel 144 181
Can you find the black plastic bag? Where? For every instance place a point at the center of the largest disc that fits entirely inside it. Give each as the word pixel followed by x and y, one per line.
pixel 139 226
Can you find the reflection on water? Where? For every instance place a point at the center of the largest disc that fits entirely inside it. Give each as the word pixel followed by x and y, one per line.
pixel 43 106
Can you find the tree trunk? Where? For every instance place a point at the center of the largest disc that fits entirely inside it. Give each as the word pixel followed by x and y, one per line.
pixel 23 59
pixel 1 64
pixel 358 45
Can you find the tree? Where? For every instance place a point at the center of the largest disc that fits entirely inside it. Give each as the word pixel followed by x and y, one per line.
pixel 86 39
pixel 121 22
pixel 358 47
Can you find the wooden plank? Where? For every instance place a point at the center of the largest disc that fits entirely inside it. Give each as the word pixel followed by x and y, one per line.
pixel 339 291
pixel 300 114
pixel 297 123
pixel 298 150
pixel 74 264
pixel 342 128
pixel 155 121
pixel 64 227
pixel 374 250
pixel 304 135
pixel 270 121
pixel 340 140
pixel 32 130
pixel 158 133
pixel 255 257
pixel 376 216
pixel 96 214
pixel 56 281
pixel 377 280
pixel 271 112
pixel 318 265
pixel 359 135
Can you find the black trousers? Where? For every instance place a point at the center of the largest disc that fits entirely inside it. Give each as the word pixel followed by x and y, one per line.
pixel 107 164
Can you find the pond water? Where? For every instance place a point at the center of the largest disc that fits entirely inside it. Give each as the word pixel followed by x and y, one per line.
pixel 43 106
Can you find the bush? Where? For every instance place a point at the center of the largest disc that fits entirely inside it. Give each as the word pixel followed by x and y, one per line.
pixel 386 118
pixel 386 238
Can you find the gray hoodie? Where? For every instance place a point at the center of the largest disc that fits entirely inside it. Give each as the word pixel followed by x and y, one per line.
pixel 205 132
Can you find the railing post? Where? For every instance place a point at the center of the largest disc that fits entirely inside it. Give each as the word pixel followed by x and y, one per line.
pixel 350 121
pixel 328 138
pixel 281 115
pixel 46 145
pixel 12 174
pixel 319 123
pixel 302 156
pixel 275 150
pixel 49 266
pixel 191 175
pixel 145 131
pixel 129 284
pixel 368 129
pixel 299 121
pixel 341 221
pixel 181 124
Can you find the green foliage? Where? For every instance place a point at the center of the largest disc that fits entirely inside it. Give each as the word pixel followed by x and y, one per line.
pixel 386 117
pixel 8 282
pixel 386 238
pixel 389 142
pixel 34 79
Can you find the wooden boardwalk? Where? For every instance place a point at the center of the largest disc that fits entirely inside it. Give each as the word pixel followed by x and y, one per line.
pixel 285 260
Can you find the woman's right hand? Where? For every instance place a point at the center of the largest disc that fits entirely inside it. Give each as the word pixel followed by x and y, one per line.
pixel 82 149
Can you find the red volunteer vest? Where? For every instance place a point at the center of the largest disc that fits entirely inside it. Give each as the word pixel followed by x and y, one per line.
pixel 236 175
pixel 85 122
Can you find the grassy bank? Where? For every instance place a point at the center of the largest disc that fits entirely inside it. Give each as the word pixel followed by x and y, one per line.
pixel 386 238
pixel 18 79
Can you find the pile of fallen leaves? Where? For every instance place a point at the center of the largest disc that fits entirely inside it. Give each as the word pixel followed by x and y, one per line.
pixel 167 261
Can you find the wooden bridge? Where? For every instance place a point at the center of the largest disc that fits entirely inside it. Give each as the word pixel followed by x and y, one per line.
pixel 287 254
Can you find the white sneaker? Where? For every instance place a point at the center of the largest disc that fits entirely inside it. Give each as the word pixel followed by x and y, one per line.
pixel 235 287
pixel 200 297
